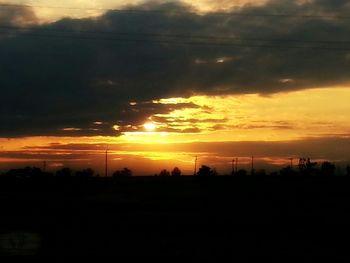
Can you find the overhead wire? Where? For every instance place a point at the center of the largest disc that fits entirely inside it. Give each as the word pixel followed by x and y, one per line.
pixel 165 35
pixel 178 42
pixel 173 12
pixel 169 39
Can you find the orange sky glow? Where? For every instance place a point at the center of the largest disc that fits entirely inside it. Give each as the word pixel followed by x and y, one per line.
pixel 239 119
pixel 296 114
pixel 90 8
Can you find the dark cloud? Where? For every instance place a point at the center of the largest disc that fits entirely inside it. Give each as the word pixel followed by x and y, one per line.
pixel 332 4
pixel 17 16
pixel 58 156
pixel 332 148
pixel 74 72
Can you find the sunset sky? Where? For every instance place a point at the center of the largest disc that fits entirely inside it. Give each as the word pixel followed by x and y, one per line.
pixel 160 82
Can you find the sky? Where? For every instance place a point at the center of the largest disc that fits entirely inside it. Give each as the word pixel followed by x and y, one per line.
pixel 161 82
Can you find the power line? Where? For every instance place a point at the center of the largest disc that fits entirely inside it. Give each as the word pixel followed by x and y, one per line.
pixel 160 11
pixel 195 165
pixel 183 43
pixel 182 36
pixel 106 162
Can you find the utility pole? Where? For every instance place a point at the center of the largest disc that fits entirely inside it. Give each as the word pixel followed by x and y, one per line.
pixel 236 164
pixel 44 166
pixel 195 165
pixel 106 164
pixel 252 165
pixel 233 166
pixel 291 163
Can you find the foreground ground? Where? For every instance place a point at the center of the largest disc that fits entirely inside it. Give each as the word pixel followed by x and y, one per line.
pixel 183 218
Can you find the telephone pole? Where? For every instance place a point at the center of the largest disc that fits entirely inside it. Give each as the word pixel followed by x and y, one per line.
pixel 252 165
pixel 233 167
pixel 291 163
pixel 236 164
pixel 106 164
pixel 195 165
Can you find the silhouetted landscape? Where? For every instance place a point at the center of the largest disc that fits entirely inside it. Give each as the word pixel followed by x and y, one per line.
pixel 175 130
pixel 301 212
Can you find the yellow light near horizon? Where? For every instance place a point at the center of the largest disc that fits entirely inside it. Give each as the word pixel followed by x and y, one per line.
pixel 278 117
pixel 52 11
pixel 252 117
pixel 149 126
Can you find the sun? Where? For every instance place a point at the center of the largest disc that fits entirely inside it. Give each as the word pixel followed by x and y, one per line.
pixel 149 126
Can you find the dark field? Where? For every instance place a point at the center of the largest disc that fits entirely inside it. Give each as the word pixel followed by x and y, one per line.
pixel 279 218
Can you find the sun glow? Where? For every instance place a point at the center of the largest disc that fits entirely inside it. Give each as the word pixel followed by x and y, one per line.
pixel 277 117
pixel 150 126
pixel 169 139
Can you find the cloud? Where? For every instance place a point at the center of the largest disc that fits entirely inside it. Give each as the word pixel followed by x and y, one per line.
pixel 328 148
pixel 75 72
pixel 17 16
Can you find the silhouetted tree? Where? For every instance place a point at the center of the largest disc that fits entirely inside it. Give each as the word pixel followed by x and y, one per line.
pixel 164 172
pixel 86 173
pixel 64 173
pixel 274 173
pixel 27 172
pixel 310 165
pixel 348 170
pixel 287 171
pixel 327 168
pixel 206 171
pixel 126 172
pixel 306 167
pixel 176 172
pixel 241 172
pixel 261 172
pixel 302 165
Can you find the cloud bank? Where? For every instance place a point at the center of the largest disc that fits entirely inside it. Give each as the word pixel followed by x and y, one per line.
pixel 64 77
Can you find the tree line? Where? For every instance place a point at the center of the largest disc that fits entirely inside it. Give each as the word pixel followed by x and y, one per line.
pixel 305 167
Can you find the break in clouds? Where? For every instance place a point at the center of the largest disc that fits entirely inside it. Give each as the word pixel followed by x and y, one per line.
pixel 83 73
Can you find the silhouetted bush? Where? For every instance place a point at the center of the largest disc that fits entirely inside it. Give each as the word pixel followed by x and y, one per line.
pixel 241 172
pixel 28 173
pixel 164 172
pixel 176 172
pixel 122 173
pixel 306 167
pixel 261 172
pixel 206 171
pixel 86 173
pixel 288 171
pixel 327 169
pixel 64 173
